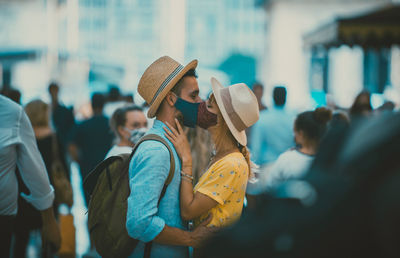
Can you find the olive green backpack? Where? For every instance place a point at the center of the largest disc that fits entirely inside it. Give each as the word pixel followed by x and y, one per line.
pixel 108 187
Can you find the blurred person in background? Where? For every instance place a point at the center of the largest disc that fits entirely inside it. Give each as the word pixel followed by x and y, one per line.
pixel 28 218
pixel 270 137
pixel 339 119
pixel 258 90
pixel 361 107
pixel 114 100
pixel 129 124
pixel 91 139
pixel 386 108
pixel 346 206
pixel 129 98
pixel 18 149
pixel 339 124
pixel 13 94
pixel 272 134
pixel 221 189
pixel 309 128
pixel 62 117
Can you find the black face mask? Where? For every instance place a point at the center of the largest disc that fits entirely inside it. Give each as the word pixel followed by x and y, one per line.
pixel 205 118
pixel 189 111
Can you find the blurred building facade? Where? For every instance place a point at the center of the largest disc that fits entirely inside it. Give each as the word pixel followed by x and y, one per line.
pixel 217 29
pixel 134 33
pixel 113 41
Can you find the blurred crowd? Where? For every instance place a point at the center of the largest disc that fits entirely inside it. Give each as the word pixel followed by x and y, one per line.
pixel 113 126
pixel 320 176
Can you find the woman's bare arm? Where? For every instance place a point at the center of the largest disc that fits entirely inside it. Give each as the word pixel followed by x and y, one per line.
pixel 193 205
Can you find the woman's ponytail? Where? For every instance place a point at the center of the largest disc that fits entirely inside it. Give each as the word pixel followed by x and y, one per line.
pixel 246 154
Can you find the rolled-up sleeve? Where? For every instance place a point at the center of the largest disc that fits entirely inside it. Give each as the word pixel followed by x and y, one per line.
pixel 32 168
pixel 148 171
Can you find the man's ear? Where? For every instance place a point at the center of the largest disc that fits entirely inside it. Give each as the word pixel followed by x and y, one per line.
pixel 170 99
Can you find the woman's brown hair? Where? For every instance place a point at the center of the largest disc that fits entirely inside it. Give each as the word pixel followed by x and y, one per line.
pixel 38 113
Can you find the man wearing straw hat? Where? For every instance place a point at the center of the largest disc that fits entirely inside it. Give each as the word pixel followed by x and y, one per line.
pixel 172 91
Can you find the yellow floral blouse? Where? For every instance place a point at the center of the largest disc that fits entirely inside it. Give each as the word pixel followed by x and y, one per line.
pixel 225 182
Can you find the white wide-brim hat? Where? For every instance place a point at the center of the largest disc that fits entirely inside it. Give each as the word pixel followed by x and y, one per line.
pixel 159 78
pixel 238 106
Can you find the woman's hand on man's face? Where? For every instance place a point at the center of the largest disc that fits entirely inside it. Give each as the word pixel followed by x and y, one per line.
pixel 180 141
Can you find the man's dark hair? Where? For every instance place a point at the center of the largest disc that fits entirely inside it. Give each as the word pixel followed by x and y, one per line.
pixel 98 101
pixel 13 94
pixel 279 95
pixel 53 86
pixel 114 93
pixel 178 86
pixel 118 118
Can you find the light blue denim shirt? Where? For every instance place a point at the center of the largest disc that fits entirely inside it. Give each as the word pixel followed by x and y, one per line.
pixel 271 135
pixel 148 171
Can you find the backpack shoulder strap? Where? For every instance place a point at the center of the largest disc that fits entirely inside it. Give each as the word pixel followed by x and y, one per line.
pixel 155 137
pixel 90 180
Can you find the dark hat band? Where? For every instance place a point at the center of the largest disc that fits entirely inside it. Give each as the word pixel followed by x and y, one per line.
pixel 166 81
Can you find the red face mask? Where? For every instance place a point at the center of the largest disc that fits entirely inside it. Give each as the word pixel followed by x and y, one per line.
pixel 205 118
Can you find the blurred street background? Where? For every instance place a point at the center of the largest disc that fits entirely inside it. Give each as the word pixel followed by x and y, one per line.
pixel 325 52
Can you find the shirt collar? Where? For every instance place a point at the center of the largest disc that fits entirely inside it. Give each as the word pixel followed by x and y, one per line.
pixel 158 124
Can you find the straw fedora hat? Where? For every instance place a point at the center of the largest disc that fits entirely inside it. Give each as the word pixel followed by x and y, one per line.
pixel 159 78
pixel 238 106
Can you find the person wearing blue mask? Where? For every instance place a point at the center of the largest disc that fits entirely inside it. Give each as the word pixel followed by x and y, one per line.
pixel 129 124
pixel 171 91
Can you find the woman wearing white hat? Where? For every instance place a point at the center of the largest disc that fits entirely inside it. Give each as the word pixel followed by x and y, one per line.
pixel 221 189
